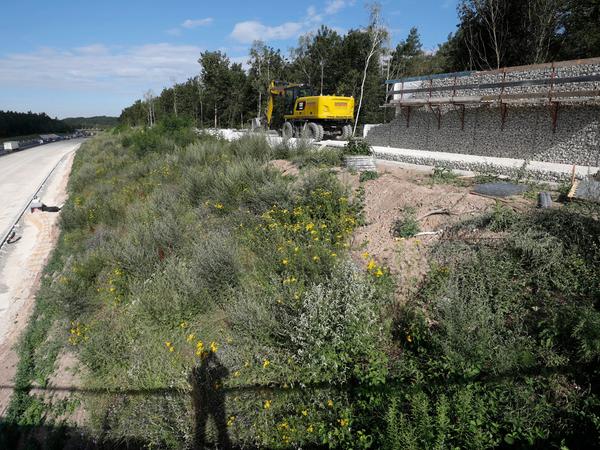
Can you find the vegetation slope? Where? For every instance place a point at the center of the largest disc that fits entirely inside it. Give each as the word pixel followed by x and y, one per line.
pixel 209 298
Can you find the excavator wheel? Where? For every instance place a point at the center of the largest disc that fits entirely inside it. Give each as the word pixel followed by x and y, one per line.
pixel 346 132
pixel 321 132
pixel 287 131
pixel 312 131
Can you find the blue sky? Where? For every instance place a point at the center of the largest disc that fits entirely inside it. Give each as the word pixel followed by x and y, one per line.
pixel 75 58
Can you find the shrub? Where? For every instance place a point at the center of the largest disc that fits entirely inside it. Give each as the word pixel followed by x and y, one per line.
pixel 368 175
pixel 357 147
pixel 407 226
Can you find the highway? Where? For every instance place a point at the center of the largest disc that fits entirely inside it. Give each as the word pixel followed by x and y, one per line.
pixel 22 172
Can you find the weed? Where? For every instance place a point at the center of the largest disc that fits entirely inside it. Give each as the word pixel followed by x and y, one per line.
pixel 358 147
pixel 368 175
pixel 406 226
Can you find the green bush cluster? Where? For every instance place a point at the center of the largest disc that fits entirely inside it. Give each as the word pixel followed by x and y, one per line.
pixel 502 348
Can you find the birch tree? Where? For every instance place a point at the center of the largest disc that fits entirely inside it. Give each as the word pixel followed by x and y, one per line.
pixel 377 35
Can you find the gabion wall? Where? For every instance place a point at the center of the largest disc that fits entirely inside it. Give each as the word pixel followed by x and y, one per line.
pixel 527 132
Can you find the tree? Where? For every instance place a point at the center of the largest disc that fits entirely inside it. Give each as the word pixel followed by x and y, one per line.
pixel 266 64
pixel 377 35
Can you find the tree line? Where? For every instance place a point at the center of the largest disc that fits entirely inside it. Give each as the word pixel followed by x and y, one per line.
pixel 14 124
pixel 490 34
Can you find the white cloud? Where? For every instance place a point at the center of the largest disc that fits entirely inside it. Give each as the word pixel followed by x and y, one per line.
pixel 334 6
pixel 97 68
pixel 250 31
pixel 194 23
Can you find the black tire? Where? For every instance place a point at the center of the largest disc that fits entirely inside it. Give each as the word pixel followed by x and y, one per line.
pixel 311 131
pixel 287 131
pixel 346 132
pixel 321 132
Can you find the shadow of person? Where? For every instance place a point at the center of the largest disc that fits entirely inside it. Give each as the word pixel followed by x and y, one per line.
pixel 208 399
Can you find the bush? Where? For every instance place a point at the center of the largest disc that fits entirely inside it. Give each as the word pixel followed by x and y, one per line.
pixel 358 147
pixel 407 226
pixel 368 175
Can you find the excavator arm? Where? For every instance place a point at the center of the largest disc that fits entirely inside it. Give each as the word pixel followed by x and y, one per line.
pixel 276 88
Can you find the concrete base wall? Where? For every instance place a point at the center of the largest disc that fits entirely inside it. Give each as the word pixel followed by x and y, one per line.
pixel 527 133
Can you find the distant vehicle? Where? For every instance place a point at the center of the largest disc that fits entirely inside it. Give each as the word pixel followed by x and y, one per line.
pixel 11 146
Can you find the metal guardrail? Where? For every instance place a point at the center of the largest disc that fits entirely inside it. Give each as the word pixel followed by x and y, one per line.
pixel 7 233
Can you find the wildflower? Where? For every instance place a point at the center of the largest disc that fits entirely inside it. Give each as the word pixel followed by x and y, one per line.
pixel 296 249
pixel 330 403
pixel 267 404
pixel 343 422
pixel 371 265
pixel 310 429
pixel 230 421
pixel 333 254
pixel 310 226
pixel 366 255
pixel 169 345
pixel 409 338
pixel 379 272
pixel 284 262
pixel 236 373
pixel 219 205
pixel 183 324
pixel 213 347
pixel 266 363
pixel 199 348
pixel 305 413
pixel 283 426
pixel 247 364
pixel 190 337
pixel 316 258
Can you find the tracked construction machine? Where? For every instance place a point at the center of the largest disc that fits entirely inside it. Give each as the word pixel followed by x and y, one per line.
pixel 308 115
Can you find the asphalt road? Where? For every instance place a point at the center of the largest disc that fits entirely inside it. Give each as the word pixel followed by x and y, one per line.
pixel 22 172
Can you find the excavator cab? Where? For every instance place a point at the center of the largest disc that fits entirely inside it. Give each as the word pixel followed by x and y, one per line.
pixel 293 93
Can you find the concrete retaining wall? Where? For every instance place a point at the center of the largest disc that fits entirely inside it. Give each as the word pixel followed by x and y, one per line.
pixel 528 131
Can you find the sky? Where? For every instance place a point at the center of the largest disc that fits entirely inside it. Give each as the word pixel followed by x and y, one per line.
pixel 80 58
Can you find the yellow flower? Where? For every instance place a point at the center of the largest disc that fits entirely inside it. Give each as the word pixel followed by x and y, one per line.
pixel 366 255
pixel 379 272
pixel 305 413
pixel 309 226
pixel 343 422
pixel 330 403
pixel 267 404
pixel 296 249
pixel 183 324
pixel 310 429
pixel 409 338
pixel 190 337
pixel 333 255
pixel 213 347
pixel 219 205
pixel 236 373
pixel 230 421
pixel 316 258
pixel 266 363
pixel 284 262
pixel 247 364
pixel 371 265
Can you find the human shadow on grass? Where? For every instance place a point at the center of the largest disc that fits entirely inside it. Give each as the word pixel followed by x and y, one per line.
pixel 208 399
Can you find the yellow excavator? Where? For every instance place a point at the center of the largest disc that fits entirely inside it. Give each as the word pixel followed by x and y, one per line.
pixel 311 116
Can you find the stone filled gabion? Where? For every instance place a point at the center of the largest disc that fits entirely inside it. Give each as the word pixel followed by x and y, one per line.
pixel 527 133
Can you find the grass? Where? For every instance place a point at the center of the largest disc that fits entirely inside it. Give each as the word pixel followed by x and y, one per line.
pixel 184 259
pixel 175 248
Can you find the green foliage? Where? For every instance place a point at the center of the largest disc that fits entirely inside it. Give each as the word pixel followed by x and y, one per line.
pixel 504 335
pixel 368 175
pixel 406 226
pixel 166 249
pixel 357 147
pixel 14 123
pixel 442 175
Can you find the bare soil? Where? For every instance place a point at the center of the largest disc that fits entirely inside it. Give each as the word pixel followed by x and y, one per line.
pixel 387 197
